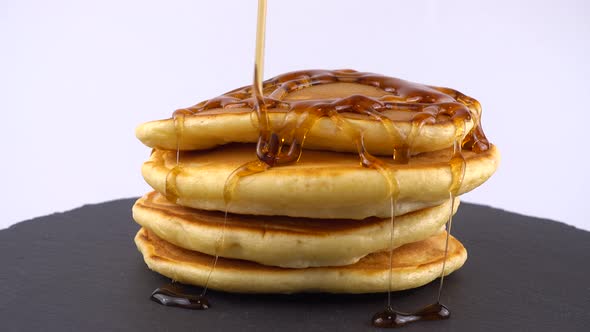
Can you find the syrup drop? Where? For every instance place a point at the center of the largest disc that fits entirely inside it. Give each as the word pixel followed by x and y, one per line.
pixel 390 318
pixel 177 295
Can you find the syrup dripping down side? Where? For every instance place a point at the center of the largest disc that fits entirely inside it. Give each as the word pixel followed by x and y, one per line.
pixel 391 318
pixel 171 188
pixel 457 167
pixel 175 294
pixel 264 129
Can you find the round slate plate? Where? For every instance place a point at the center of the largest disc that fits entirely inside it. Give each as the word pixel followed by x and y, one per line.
pixel 80 271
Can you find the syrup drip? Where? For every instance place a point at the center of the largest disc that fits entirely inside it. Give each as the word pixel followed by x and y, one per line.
pixel 476 140
pixel 171 188
pixel 232 181
pixel 268 146
pixel 403 153
pixel 393 203
pixel 457 166
pixel 174 294
pixel 391 318
pixel 386 171
pixel 177 295
pixel 218 247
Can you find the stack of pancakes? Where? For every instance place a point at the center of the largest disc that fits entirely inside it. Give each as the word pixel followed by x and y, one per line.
pixel 322 223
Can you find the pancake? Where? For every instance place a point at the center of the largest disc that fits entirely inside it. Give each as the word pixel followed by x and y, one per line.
pixel 284 241
pixel 414 265
pixel 206 126
pixel 321 185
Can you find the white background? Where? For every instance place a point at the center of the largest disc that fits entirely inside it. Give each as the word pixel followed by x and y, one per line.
pixel 76 77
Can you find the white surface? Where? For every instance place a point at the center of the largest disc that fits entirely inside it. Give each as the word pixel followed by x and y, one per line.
pixel 76 77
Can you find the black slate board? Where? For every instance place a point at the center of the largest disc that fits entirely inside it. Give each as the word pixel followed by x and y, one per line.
pixel 80 271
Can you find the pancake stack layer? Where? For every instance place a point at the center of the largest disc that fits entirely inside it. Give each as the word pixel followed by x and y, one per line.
pixel 317 215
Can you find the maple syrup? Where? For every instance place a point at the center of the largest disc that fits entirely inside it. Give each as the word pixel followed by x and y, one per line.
pixel 282 144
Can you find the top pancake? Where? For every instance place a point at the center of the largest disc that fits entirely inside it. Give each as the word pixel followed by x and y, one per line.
pixel 230 118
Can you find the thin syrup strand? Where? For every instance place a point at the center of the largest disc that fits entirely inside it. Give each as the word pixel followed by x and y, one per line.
pixel 391 237
pixel 257 88
pixel 179 131
pixel 171 191
pixel 219 245
pixel 177 153
pixel 231 182
pixel 456 182
pixel 260 36
pixel 385 171
pixel 449 225
pixel 262 118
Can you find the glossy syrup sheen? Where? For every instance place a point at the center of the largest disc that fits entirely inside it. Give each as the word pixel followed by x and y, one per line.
pixel 428 104
pixel 178 295
pixel 390 318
